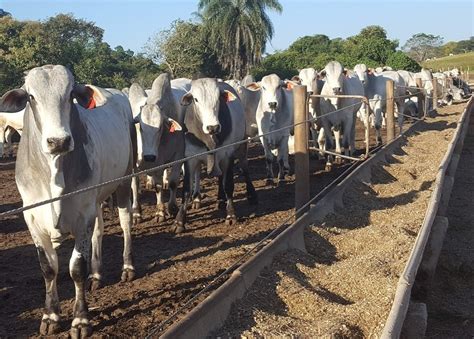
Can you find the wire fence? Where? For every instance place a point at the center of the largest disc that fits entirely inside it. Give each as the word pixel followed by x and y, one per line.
pixel 164 166
pixel 179 161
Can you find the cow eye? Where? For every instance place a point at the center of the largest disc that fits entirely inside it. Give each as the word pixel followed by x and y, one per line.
pixel 32 97
pixel 195 99
pixel 263 87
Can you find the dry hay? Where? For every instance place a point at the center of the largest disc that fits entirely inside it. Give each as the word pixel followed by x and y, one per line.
pixel 344 286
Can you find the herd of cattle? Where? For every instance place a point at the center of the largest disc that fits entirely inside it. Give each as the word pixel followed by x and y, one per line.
pixel 74 136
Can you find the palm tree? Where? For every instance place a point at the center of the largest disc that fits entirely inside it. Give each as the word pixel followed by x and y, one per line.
pixel 238 31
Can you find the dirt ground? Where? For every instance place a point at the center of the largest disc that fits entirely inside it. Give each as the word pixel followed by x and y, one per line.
pixel 451 298
pixel 344 285
pixel 170 268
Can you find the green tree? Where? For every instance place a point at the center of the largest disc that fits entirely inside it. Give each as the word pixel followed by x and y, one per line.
pixel 371 45
pixel 400 60
pixel 422 46
pixel 465 46
pixel 238 31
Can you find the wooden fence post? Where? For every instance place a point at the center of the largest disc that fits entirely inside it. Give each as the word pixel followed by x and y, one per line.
pixel 390 111
pixel 301 148
pixel 421 98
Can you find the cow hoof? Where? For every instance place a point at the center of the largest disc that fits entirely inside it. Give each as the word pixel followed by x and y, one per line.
pixel 221 204
pixel 328 168
pixel 94 284
pixel 269 182
pixel 128 274
pixel 338 160
pixel 49 327
pixel 281 182
pixel 82 330
pixel 230 220
pixel 166 186
pixel 178 227
pixel 160 218
pixel 195 205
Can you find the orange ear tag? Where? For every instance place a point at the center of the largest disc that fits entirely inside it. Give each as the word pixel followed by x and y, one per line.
pixel 172 129
pixel 91 104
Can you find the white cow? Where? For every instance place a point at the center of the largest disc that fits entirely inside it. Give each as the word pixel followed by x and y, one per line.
pixel 65 147
pixel 275 110
pixel 309 77
pixel 214 118
pixel 375 88
pixel 339 114
pixel 160 133
pixel 10 122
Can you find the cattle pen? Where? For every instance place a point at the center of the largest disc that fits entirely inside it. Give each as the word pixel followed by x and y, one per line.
pixel 177 272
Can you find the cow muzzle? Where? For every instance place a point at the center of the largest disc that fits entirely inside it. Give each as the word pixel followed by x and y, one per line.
pixel 273 105
pixel 59 145
pixel 336 90
pixel 149 158
pixel 213 129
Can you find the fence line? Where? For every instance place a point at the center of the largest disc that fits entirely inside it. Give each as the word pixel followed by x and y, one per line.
pixel 231 268
pixel 164 166
pixel 160 167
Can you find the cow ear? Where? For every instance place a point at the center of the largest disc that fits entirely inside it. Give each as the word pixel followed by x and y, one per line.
pixel 296 78
pixel 187 99
pixel 84 96
pixel 288 84
pixel 344 71
pixel 173 125
pixel 322 74
pixel 228 96
pixel 253 86
pixel 13 101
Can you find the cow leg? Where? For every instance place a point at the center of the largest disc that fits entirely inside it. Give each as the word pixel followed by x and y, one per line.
pixel 160 206
pixel 173 180
pixel 283 164
pixel 96 258
pixel 8 148
pixel 228 180
pixel 252 196
pixel 125 216
pixel 401 108
pixel 221 196
pixel 81 327
pixel 49 267
pixel 150 182
pixel 136 208
pixel 321 143
pixel 337 139
pixel 166 179
pixel 196 204
pixel 181 218
pixel 378 121
pixel 269 163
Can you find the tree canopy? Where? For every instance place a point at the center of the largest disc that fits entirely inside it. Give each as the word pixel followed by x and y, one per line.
pixel 75 43
pixel 238 31
pixel 422 46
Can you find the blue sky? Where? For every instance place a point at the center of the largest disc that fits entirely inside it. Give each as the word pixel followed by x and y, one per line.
pixel 131 22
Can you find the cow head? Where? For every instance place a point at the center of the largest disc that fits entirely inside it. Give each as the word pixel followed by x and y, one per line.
pixel 271 92
pixel 361 71
pixel 334 81
pixel 309 77
pixel 153 119
pixel 50 91
pixel 205 95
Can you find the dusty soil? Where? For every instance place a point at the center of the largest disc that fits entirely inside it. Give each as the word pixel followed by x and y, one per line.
pixel 345 283
pixel 170 268
pixel 451 298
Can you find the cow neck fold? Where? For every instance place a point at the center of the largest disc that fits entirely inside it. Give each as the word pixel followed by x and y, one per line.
pixel 53 175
